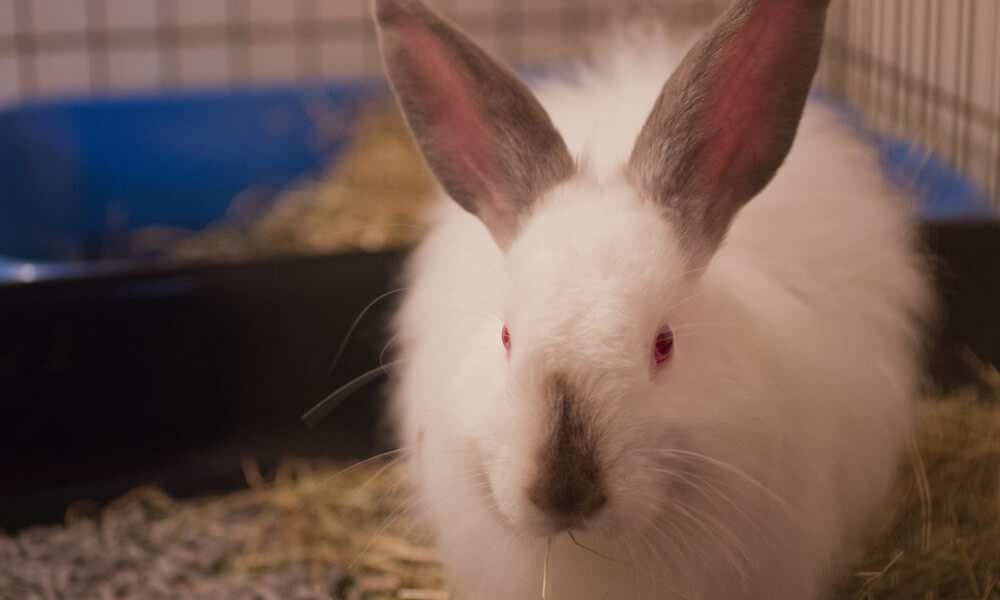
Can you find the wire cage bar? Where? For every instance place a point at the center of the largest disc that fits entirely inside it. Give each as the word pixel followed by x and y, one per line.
pixel 926 70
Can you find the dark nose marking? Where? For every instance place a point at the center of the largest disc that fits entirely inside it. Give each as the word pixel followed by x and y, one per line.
pixel 568 485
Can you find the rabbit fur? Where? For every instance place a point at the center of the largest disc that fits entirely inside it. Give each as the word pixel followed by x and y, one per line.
pixel 753 462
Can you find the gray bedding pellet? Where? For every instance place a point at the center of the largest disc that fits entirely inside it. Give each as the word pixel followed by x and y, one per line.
pixel 131 555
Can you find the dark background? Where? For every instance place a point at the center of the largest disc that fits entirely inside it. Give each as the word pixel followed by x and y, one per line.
pixel 173 376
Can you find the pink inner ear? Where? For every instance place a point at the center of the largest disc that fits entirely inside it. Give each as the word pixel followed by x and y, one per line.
pixel 447 98
pixel 749 88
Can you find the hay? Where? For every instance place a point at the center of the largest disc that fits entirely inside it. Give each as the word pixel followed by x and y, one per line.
pixel 371 198
pixel 319 531
pixel 941 537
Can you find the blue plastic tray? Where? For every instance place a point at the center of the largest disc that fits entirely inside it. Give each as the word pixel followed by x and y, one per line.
pixel 74 174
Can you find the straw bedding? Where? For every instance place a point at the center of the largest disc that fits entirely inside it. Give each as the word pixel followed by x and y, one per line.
pixel 319 531
pixel 315 531
pixel 371 198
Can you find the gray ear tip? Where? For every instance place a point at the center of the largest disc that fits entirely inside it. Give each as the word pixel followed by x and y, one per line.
pixel 387 12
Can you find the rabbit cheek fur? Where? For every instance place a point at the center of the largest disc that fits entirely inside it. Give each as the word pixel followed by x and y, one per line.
pixel 748 465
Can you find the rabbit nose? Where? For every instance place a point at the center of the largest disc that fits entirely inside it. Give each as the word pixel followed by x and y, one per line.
pixel 569 499
pixel 568 486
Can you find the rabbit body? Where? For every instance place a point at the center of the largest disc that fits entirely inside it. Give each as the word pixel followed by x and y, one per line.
pixel 752 465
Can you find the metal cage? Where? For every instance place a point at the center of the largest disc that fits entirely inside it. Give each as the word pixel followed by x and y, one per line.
pixel 927 70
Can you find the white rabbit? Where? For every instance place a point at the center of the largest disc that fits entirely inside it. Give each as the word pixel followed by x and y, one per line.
pixel 607 360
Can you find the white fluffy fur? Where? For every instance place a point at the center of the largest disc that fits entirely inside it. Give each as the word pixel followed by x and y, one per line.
pixel 751 465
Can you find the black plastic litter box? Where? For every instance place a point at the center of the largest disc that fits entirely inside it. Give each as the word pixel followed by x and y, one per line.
pixel 120 373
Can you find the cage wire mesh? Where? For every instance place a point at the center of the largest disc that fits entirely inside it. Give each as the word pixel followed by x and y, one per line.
pixel 925 70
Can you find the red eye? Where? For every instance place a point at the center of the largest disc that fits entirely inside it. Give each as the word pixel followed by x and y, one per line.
pixel 505 337
pixel 663 346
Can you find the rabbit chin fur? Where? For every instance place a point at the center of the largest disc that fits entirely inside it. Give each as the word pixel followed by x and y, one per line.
pixel 753 463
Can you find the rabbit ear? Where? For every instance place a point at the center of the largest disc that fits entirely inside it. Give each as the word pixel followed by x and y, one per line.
pixel 725 120
pixel 483 133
